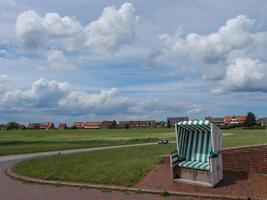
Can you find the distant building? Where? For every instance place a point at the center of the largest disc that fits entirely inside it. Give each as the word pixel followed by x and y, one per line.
pixel 47 125
pixel 77 125
pixel 34 125
pixel 92 125
pixel 138 124
pixel 262 121
pixel 62 126
pixel 3 127
pixel 218 121
pixel 106 124
pixel 234 119
pixel 97 124
pixel 171 121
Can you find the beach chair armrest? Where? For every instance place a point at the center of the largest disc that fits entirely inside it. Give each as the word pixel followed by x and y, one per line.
pixel 214 154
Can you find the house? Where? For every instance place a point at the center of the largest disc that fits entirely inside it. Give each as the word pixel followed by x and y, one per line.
pixel 97 124
pixel 262 121
pixel 138 124
pixel 62 126
pixel 234 119
pixel 47 125
pixel 3 127
pixel 92 125
pixel 171 121
pixel 34 125
pixel 218 121
pixel 77 125
pixel 106 124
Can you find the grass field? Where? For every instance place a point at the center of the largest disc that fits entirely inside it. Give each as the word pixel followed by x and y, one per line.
pixel 124 166
pixel 14 142
pixel 18 141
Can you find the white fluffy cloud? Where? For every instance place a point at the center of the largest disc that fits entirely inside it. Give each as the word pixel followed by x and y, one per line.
pixel 113 29
pixel 60 97
pixel 232 56
pixel 244 74
pixel 236 34
pixel 56 60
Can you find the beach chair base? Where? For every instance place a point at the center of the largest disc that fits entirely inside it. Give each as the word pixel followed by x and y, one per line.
pixel 195 177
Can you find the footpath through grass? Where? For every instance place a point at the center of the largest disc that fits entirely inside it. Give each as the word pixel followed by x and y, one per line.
pixel 28 141
pixel 125 166
pixel 15 142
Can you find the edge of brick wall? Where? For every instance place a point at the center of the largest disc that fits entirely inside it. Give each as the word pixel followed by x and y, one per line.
pixel 245 146
pixel 13 175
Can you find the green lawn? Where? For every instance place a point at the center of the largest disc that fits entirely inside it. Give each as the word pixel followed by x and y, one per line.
pixel 18 141
pixel 124 166
pixel 14 142
pixel 234 138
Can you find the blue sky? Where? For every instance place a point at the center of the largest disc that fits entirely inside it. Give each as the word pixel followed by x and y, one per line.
pixel 92 60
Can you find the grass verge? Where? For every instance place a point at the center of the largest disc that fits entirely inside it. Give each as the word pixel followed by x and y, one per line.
pixel 125 166
pixel 17 147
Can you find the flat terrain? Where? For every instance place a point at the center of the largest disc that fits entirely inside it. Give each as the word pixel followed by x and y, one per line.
pixel 18 141
pixel 12 189
pixel 27 141
pixel 124 166
pixel 235 137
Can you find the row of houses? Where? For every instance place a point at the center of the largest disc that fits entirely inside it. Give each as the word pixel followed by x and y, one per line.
pixel 227 120
pixel 170 122
pixel 138 124
pixel 92 124
pixel 109 124
pixel 43 125
pixel 219 121
pixel 95 125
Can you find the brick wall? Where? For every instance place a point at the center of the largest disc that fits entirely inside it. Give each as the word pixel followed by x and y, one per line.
pixel 251 158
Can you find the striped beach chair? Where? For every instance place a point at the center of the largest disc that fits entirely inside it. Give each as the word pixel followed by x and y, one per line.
pixel 197 159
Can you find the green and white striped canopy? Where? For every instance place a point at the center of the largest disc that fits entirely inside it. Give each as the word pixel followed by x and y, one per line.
pixel 194 143
pixel 195 122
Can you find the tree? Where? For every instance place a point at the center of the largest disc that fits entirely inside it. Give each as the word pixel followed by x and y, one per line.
pixel 161 124
pixel 12 125
pixel 250 120
pixel 168 124
pixel 22 127
pixel 114 124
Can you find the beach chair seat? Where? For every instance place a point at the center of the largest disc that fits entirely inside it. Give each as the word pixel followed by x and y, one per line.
pixel 194 165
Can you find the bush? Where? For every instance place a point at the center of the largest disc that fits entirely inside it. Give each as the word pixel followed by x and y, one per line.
pixel 12 125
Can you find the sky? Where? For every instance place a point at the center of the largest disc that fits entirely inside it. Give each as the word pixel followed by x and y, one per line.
pixel 66 61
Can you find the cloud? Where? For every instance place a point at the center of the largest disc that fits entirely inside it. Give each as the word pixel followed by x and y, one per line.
pixel 106 35
pixel 61 98
pixel 57 61
pixel 237 38
pixel 244 75
pixel 113 28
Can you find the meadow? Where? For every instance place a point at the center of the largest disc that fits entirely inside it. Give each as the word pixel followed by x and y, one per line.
pixel 124 166
pixel 26 141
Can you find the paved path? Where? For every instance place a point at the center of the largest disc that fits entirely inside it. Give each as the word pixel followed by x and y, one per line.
pixel 70 151
pixel 11 189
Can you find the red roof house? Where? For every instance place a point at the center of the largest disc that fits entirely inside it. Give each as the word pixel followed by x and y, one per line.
pixel 47 125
